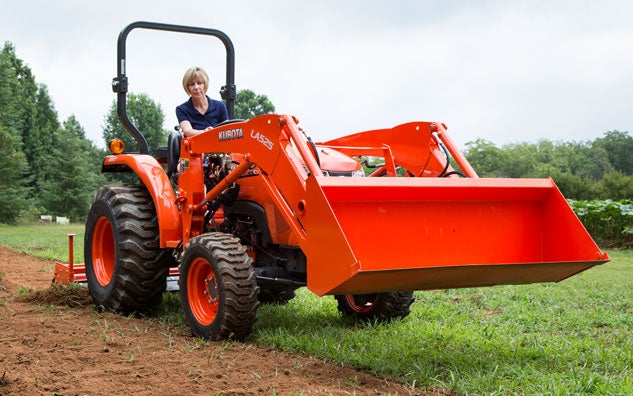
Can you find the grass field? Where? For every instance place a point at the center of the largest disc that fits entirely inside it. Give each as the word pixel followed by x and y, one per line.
pixel 569 338
pixel 47 241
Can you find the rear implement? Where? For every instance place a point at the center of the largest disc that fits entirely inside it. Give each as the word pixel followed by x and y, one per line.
pixel 69 272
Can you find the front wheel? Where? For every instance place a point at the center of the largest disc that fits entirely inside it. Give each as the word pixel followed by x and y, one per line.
pixel 376 306
pixel 218 287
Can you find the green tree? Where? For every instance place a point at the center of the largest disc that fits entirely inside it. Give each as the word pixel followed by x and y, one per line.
pixel 248 104
pixel 520 160
pixel 593 162
pixel 14 176
pixel 616 185
pixel 487 159
pixel 575 167
pixel 13 194
pixel 31 115
pixel 619 148
pixel 34 116
pixel 21 92
pixel 575 158
pixel 74 174
pixel 10 116
pixel 573 186
pixel 145 114
pixel 42 138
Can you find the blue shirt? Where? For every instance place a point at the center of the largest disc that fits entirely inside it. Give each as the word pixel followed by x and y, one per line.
pixel 215 114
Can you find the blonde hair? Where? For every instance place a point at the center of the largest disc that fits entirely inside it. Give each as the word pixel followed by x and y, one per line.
pixel 193 74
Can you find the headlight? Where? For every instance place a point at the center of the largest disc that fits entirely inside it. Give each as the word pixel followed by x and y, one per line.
pixel 116 146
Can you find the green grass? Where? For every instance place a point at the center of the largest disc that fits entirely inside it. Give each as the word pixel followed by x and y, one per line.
pixel 47 241
pixel 573 337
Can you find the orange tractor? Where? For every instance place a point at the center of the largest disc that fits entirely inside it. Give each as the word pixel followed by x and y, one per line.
pixel 252 210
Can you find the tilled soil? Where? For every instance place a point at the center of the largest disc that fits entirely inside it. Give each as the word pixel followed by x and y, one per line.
pixel 53 341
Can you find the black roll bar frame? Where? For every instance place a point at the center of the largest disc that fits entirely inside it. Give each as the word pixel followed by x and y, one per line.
pixel 120 82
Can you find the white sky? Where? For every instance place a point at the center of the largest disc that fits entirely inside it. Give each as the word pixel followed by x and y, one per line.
pixel 505 71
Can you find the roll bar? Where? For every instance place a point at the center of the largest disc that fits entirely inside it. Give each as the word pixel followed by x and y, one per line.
pixel 120 82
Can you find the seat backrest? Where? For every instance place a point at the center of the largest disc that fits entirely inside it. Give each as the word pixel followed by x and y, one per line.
pixel 173 152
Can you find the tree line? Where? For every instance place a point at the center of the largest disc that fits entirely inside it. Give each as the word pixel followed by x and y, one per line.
pixel 50 167
pixel 598 169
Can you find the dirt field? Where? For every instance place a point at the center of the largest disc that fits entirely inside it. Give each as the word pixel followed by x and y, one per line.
pixel 56 344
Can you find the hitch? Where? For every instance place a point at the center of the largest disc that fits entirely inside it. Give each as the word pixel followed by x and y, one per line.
pixel 70 272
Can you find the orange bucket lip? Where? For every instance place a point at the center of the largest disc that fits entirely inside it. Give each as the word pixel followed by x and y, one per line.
pixel 431 233
pixel 451 277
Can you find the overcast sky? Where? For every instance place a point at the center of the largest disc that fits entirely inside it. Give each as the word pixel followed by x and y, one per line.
pixel 504 71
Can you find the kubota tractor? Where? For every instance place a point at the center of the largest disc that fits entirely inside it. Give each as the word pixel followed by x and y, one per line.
pixel 252 210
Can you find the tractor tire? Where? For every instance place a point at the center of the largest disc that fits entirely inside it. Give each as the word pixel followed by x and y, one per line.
pixel 125 267
pixel 381 307
pixel 218 287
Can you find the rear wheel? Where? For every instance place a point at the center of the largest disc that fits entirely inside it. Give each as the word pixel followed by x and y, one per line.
pixel 218 287
pixel 125 267
pixel 376 306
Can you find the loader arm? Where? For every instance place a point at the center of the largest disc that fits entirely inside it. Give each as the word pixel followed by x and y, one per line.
pixel 266 141
pixel 422 148
pixel 374 234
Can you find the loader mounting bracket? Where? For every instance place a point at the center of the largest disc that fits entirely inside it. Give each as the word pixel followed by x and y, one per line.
pixel 119 84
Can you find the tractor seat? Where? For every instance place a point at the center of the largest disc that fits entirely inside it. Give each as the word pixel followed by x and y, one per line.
pixel 173 154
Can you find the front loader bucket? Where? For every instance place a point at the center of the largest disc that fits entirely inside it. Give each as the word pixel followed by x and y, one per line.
pixel 370 235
